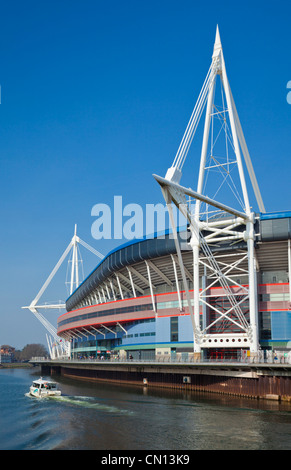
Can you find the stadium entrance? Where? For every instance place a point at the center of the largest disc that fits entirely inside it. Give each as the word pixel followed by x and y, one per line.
pixel 221 354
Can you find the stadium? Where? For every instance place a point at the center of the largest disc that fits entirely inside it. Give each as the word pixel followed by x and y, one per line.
pixel 219 287
pixel 133 303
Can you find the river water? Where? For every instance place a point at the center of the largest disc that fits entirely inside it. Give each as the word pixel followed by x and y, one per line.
pixel 112 417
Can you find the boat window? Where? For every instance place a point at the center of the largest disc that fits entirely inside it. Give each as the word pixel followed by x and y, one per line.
pixel 36 385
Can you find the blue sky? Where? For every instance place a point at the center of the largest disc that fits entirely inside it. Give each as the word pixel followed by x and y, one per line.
pixel 95 98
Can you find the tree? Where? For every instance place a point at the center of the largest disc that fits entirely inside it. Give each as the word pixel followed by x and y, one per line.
pixel 32 350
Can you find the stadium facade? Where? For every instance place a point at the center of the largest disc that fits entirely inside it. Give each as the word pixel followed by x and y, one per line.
pixel 133 303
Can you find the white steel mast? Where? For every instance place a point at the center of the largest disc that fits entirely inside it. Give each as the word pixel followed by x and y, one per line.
pixel 61 347
pixel 223 223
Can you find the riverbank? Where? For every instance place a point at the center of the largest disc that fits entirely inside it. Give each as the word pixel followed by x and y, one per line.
pixel 260 381
pixel 14 365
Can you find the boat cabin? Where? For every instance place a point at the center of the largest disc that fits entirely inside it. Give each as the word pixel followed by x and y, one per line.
pixel 44 384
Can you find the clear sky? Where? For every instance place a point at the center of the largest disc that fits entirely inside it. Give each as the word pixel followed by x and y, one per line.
pixel 95 98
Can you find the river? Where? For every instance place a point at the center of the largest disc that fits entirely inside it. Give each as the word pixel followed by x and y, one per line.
pixel 111 417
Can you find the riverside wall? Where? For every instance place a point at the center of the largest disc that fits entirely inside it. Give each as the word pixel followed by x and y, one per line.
pixel 259 381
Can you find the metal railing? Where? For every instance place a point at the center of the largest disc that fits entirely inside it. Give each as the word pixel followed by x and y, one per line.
pixel 277 360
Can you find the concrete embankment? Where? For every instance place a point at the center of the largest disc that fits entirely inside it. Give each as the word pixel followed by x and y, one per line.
pixel 265 381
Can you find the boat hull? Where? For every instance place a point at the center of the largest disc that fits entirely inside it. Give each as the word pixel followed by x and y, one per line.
pixel 44 393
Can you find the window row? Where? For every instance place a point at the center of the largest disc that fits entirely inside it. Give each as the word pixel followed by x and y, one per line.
pixel 102 313
pixel 280 297
pixel 140 334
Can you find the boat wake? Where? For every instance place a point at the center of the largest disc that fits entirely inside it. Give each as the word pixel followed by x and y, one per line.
pixel 85 402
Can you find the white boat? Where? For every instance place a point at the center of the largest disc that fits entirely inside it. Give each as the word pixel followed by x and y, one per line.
pixel 44 388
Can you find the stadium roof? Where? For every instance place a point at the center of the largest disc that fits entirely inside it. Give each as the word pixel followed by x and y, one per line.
pixel 271 228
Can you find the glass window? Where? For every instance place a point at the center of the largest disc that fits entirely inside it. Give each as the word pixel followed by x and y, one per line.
pixel 174 329
pixel 265 325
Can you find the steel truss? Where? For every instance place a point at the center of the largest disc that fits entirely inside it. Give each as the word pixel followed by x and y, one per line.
pixel 59 347
pixel 232 320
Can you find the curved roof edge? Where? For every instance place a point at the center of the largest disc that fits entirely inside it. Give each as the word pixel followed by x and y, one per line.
pixel 150 246
pixel 275 215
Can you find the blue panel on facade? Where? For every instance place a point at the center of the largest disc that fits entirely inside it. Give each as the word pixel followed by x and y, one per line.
pixel 281 325
pixel 163 330
pixel 140 332
pixel 185 329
